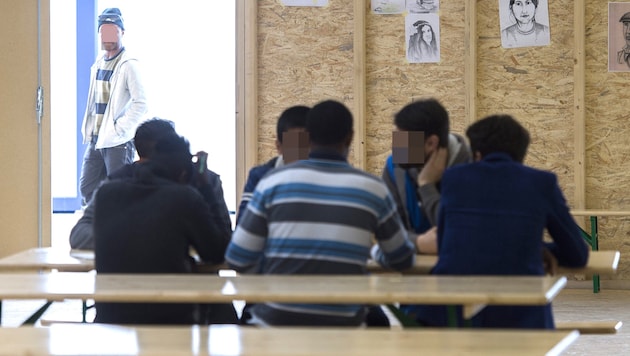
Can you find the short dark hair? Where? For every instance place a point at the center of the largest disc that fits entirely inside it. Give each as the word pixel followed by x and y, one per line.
pixel 149 132
pixel 293 117
pixel 172 157
pixel 499 133
pixel 329 123
pixel 426 115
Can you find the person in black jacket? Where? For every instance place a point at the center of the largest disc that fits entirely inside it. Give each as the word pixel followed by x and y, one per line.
pixel 148 224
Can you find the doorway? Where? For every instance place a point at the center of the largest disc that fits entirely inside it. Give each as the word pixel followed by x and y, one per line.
pixel 187 53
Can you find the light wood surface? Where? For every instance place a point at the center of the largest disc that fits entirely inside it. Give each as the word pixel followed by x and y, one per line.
pixel 600 213
pixel 377 289
pixel 599 262
pixel 48 258
pixel 98 339
pixel 51 258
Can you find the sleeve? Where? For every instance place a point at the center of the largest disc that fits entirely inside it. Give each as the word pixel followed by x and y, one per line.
pixel 430 198
pixel 252 180
pixel 212 193
pixel 137 107
pixel 81 235
pixel 209 239
pixel 246 249
pixel 394 249
pixel 568 245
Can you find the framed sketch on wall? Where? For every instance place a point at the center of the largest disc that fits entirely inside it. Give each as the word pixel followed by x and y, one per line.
pixel 423 38
pixel 619 37
pixel 388 6
pixel 524 23
pixel 423 6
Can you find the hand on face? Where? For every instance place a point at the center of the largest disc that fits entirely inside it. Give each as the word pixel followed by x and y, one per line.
pixel 434 167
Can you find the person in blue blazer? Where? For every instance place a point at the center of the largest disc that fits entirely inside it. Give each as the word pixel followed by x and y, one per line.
pixel 492 218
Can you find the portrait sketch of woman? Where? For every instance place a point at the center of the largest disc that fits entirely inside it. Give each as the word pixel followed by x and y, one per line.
pixel 524 23
pixel 423 34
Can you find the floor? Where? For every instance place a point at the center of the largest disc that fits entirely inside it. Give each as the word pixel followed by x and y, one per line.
pixel 571 305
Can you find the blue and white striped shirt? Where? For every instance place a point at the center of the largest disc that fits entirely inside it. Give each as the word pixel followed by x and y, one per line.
pixel 319 216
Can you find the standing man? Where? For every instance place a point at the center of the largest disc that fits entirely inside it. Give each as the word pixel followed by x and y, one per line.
pixel 116 105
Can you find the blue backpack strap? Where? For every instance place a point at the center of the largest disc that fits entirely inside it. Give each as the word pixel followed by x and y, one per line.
pixel 417 221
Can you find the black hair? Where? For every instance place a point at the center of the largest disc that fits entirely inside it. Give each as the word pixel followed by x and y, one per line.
pixel 329 123
pixel 149 132
pixel 499 133
pixel 172 157
pixel 293 117
pixel 426 115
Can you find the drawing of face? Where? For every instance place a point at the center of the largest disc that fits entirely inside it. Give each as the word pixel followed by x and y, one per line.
pixel 626 32
pixel 524 11
pixel 427 34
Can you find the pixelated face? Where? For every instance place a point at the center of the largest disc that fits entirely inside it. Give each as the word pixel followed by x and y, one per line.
pixel 524 11
pixel 111 36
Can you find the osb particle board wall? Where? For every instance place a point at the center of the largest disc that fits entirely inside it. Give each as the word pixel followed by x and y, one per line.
pixel 306 55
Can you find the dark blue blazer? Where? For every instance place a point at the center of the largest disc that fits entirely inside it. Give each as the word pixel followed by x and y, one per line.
pixel 493 214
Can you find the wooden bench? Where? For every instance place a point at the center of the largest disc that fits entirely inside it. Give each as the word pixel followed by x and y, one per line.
pixel 100 339
pixel 590 327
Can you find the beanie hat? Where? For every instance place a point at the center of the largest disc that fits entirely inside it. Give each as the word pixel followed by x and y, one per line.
pixel 111 15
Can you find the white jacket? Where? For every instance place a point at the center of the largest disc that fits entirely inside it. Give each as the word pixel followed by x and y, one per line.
pixel 126 108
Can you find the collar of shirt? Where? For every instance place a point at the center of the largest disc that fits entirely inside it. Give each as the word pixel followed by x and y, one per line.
pixel 326 154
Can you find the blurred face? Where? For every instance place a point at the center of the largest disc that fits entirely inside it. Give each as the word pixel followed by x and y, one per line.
pixel 524 11
pixel 427 35
pixel 111 37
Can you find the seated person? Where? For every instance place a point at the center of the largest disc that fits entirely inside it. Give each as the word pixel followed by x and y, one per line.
pixel 318 216
pixel 493 214
pixel 148 224
pixel 416 188
pixel 147 134
pixel 291 119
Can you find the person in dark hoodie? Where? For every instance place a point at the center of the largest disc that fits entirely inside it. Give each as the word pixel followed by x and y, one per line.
pixel 148 223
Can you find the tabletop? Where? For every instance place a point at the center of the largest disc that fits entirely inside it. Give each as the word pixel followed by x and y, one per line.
pixel 599 212
pixel 48 258
pixel 100 339
pixel 599 262
pixel 473 292
pixel 54 258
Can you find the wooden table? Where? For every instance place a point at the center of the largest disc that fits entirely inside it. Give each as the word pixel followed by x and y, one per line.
pixel 54 258
pixel 99 339
pixel 593 237
pixel 472 292
pixel 599 262
pixel 49 258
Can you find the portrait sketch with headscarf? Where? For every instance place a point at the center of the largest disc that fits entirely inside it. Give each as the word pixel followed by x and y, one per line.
pixel 423 38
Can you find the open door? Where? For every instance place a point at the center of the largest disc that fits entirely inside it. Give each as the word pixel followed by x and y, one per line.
pixel 25 211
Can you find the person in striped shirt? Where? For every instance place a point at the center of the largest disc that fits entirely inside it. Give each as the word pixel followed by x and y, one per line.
pixel 319 216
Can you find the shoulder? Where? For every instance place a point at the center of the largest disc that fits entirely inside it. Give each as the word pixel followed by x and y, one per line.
pixel 540 27
pixel 261 170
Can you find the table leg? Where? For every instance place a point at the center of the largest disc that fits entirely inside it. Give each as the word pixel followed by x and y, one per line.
pixel 593 241
pixel 38 314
